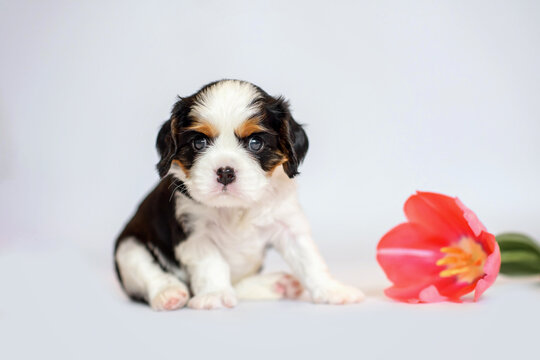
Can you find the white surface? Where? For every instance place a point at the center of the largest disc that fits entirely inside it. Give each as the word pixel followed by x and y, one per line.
pixel 398 96
pixel 77 311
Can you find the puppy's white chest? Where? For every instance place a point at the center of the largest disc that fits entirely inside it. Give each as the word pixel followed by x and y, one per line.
pixel 242 239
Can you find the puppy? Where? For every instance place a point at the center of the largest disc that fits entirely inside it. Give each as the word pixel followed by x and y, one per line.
pixel 228 156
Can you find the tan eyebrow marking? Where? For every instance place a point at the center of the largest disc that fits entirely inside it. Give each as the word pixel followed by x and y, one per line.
pixel 249 127
pixel 204 128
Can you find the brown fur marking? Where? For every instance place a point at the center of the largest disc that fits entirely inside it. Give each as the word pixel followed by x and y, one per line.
pixel 204 128
pixel 249 127
pixel 271 171
pixel 179 163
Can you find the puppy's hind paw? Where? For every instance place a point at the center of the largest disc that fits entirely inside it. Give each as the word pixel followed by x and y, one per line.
pixel 288 286
pixel 170 298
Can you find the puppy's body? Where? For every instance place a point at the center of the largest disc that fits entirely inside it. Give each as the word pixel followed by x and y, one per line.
pixel 228 156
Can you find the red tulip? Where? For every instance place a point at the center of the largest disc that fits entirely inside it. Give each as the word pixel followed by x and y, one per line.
pixel 442 253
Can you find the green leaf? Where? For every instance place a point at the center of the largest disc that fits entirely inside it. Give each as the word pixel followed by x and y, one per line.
pixel 520 255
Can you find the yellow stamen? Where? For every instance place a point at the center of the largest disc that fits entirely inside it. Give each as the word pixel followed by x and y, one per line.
pixel 465 259
pixel 452 250
pixel 449 260
pixel 455 271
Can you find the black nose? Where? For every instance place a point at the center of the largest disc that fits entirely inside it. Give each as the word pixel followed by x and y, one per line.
pixel 225 175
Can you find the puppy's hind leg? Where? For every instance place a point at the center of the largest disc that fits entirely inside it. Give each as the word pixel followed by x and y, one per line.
pixel 272 286
pixel 142 277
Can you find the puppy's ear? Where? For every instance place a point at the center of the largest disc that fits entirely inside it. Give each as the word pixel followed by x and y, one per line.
pixel 292 137
pixel 166 139
pixel 166 147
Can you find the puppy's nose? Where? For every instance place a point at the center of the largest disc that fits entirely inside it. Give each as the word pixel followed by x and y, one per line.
pixel 225 175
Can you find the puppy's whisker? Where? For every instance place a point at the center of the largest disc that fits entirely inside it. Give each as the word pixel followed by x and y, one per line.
pixel 174 191
pixel 175 182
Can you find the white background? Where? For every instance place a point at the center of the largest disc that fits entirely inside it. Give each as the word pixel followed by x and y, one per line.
pixel 396 96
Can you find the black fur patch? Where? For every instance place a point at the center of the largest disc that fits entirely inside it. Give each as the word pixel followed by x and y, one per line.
pixel 270 155
pixel 155 225
pixel 185 152
pixel 292 139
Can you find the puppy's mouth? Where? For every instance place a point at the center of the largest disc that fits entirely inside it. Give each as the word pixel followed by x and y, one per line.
pixel 228 191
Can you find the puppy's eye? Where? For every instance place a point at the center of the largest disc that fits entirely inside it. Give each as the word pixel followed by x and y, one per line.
pixel 255 144
pixel 199 143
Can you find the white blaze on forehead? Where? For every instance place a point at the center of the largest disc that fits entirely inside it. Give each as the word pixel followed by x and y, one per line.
pixel 226 104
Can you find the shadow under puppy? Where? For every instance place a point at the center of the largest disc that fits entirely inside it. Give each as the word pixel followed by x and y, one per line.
pixel 228 157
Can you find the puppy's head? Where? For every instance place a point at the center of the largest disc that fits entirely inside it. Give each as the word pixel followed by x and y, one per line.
pixel 226 142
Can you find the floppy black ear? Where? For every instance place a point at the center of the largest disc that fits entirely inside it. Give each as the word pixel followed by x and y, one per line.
pixel 293 139
pixel 166 147
pixel 166 139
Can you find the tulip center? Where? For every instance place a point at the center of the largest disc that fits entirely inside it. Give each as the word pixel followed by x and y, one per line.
pixel 465 259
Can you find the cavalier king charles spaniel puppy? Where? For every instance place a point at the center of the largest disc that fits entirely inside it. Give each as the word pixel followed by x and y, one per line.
pixel 228 156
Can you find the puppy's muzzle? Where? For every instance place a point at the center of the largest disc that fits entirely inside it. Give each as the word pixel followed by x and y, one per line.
pixel 225 175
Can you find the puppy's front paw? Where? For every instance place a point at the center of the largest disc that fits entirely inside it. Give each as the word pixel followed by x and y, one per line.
pixel 335 292
pixel 170 298
pixel 213 300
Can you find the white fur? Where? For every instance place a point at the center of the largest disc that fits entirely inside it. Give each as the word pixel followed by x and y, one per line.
pixel 142 277
pixel 230 227
pixel 226 104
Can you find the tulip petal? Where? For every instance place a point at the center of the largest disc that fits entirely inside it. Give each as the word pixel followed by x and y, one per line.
pixel 488 241
pixel 438 213
pixel 405 294
pixel 474 223
pixel 491 268
pixel 431 295
pixel 453 289
pixel 439 289
pixel 412 236
pixel 408 255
